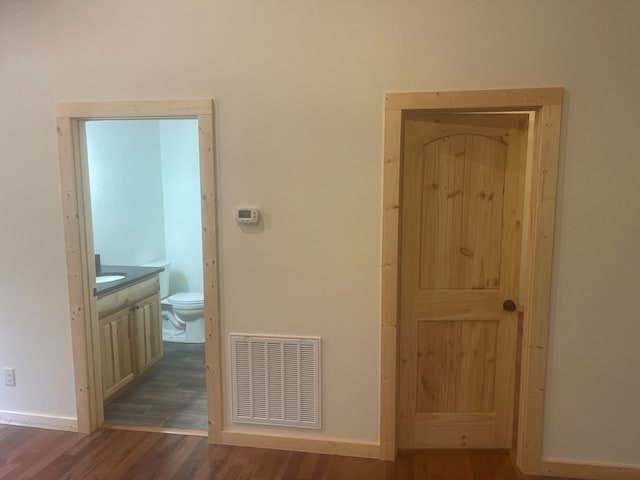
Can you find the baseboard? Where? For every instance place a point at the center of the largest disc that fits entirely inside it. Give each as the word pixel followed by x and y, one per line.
pixel 143 428
pixel 39 421
pixel 297 444
pixel 590 471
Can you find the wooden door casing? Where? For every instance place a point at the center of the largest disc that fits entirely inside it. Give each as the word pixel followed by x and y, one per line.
pixel 461 222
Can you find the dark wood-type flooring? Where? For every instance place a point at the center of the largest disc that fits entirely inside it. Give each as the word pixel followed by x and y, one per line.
pixel 172 395
pixel 35 454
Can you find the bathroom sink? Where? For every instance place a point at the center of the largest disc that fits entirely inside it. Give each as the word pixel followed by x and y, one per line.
pixel 108 278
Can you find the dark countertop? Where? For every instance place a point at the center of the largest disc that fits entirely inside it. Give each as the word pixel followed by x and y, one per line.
pixel 131 275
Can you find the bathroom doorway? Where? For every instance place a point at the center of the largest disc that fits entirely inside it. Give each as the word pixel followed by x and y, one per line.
pixel 170 361
pixel 144 183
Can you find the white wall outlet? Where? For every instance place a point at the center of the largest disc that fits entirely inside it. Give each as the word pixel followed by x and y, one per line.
pixel 9 376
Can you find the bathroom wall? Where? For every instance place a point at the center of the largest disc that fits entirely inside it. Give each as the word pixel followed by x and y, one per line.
pixel 126 191
pixel 181 192
pixel 145 195
pixel 299 90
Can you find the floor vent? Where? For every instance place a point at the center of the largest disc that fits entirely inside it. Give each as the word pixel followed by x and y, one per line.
pixel 276 380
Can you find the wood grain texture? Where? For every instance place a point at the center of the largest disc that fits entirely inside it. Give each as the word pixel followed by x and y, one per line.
pixel 142 109
pixel 537 290
pixel 462 199
pixel 460 358
pixel 128 296
pixel 544 106
pixel 519 99
pixel 302 444
pixel 78 241
pixel 389 294
pixel 590 471
pixel 34 454
pixel 130 335
pixel 461 226
pixel 117 363
pixel 213 342
pixel 75 233
pixel 146 327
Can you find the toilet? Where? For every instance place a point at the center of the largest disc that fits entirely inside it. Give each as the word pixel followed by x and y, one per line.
pixel 182 313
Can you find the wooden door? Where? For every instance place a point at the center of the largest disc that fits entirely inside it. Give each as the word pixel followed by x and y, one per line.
pixel 461 222
pixel 147 332
pixel 115 350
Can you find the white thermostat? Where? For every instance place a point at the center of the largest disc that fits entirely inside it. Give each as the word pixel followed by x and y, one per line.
pixel 247 215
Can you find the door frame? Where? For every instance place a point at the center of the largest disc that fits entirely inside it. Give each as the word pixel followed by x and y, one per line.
pixel 545 106
pixel 79 245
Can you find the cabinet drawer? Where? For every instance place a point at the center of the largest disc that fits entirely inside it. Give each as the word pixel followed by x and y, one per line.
pixel 127 296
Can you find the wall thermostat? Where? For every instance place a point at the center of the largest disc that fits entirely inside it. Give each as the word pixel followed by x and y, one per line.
pixel 247 215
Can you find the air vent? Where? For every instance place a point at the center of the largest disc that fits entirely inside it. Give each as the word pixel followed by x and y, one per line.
pixel 276 380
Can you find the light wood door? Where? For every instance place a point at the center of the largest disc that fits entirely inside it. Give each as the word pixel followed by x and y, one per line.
pixel 461 223
pixel 115 350
pixel 147 332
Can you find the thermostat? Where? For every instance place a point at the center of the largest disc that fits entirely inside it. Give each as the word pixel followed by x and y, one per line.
pixel 247 215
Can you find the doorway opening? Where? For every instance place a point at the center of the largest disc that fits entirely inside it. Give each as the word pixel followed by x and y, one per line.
pixel 144 184
pixel 140 228
pixel 477 170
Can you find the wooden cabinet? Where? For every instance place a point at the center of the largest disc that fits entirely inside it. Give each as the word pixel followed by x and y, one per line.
pixel 130 329
pixel 146 330
pixel 115 352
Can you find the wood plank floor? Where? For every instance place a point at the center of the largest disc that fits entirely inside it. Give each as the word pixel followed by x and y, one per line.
pixel 35 454
pixel 172 395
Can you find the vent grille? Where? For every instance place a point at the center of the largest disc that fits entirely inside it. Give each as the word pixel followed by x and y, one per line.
pixel 276 380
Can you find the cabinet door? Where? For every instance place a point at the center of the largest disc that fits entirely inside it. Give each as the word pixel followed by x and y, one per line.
pixel 115 350
pixel 147 333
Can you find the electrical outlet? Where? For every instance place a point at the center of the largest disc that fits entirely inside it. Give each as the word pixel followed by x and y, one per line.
pixel 9 377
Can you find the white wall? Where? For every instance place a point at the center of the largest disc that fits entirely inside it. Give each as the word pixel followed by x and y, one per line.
pixel 181 192
pixel 145 195
pixel 125 175
pixel 299 96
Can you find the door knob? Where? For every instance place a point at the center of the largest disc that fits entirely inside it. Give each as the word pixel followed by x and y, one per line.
pixel 509 305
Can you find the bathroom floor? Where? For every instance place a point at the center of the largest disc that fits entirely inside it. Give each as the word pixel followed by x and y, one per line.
pixel 172 395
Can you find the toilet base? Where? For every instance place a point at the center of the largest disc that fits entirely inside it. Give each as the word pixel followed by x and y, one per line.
pixel 186 327
pixel 174 336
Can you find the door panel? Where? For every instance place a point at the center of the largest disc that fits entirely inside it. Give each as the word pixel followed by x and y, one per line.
pixel 462 193
pixel 147 332
pixel 456 366
pixel 463 178
pixel 115 348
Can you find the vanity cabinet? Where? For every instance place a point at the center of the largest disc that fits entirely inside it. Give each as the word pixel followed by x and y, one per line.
pixel 146 329
pixel 130 330
pixel 115 350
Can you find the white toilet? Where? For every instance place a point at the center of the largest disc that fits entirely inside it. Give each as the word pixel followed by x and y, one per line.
pixel 182 313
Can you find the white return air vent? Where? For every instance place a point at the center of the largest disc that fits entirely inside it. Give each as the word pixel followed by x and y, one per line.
pixel 276 380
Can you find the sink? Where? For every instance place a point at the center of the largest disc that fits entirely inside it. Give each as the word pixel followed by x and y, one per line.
pixel 108 278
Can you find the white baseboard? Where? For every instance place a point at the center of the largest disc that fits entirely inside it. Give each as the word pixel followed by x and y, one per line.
pixel 39 421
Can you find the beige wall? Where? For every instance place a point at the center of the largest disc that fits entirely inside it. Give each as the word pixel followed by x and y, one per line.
pixel 299 91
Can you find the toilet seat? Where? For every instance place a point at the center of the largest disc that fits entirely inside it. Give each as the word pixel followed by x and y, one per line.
pixel 187 300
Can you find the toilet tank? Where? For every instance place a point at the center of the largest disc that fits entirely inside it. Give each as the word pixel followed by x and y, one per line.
pixel 164 276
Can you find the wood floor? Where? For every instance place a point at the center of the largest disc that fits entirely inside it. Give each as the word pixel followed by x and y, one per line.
pixel 35 454
pixel 172 395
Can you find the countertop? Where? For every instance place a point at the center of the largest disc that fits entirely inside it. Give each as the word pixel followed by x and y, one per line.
pixel 131 275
